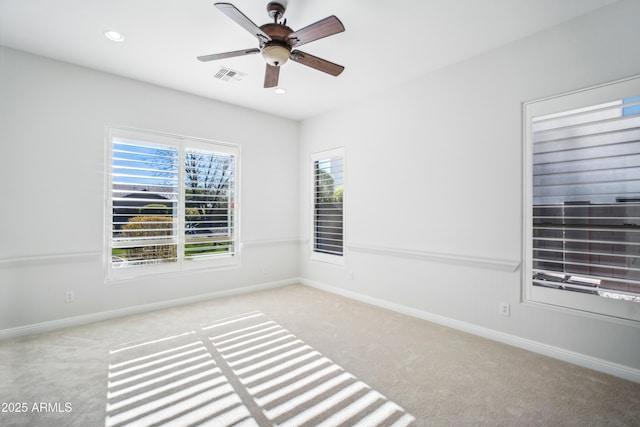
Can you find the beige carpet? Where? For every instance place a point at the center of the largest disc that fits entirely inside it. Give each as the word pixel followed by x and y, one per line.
pixel 294 356
pixel 244 370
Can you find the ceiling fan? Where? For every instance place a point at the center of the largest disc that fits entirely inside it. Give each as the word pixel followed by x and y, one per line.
pixel 277 41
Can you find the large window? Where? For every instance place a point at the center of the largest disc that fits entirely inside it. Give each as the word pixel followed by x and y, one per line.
pixel 172 204
pixel 328 200
pixel 582 200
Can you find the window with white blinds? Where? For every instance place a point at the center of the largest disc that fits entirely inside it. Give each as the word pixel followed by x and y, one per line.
pixel 172 203
pixel 328 212
pixel 583 200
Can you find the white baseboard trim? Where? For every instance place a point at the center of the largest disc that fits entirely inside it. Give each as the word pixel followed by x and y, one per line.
pixel 575 358
pixel 38 328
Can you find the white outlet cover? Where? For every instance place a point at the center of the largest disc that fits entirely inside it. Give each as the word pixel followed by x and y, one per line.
pixel 505 309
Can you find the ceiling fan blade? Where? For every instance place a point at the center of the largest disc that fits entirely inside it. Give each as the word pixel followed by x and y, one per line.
pixel 271 76
pixel 317 63
pixel 240 18
pixel 324 28
pixel 216 56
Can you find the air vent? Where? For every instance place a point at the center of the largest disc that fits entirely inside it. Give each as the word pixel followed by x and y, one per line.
pixel 228 75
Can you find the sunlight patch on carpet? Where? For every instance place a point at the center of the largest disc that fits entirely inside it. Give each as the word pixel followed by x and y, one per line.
pixel 244 370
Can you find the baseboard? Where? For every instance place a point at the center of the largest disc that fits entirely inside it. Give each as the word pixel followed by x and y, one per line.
pixel 578 359
pixel 53 325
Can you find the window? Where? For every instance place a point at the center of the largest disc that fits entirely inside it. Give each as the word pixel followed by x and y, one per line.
pixel 328 213
pixel 172 203
pixel 582 200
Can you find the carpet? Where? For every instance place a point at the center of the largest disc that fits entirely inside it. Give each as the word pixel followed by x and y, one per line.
pixel 244 370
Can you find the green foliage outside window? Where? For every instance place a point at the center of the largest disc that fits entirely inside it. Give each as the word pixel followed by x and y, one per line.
pixel 150 227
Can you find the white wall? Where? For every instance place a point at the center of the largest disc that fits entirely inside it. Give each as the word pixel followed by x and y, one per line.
pixel 52 125
pixel 443 154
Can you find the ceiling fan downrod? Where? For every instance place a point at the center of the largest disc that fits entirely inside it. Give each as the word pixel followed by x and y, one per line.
pixel 276 11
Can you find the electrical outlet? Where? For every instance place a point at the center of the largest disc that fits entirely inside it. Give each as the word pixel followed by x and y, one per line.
pixel 69 296
pixel 505 309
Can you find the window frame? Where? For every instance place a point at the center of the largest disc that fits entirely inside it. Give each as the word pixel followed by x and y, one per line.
pixel 592 305
pixel 183 144
pixel 338 259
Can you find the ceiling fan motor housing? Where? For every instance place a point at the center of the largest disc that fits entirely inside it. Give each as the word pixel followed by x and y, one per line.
pixel 277 51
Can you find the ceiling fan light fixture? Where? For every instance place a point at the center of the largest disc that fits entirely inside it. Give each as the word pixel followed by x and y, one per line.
pixel 275 54
pixel 114 36
pixel 280 91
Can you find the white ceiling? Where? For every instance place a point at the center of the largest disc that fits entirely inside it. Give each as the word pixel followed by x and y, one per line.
pixel 385 43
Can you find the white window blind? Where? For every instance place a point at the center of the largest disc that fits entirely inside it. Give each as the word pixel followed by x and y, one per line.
pixel 144 198
pixel 328 199
pixel 172 203
pixel 585 201
pixel 209 203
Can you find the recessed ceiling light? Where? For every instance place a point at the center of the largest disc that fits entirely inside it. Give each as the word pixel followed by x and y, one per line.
pixel 280 91
pixel 114 36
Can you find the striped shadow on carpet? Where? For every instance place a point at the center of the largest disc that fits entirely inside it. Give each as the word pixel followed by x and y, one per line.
pixel 245 370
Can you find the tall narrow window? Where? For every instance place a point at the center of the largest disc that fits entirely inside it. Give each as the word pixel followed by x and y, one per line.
pixel 172 203
pixel 328 202
pixel 583 191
